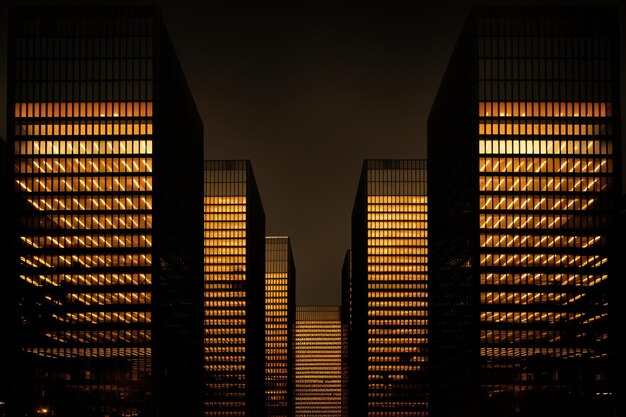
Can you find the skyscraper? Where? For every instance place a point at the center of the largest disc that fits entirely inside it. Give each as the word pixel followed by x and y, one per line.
pixel 318 361
pixel 106 270
pixel 388 337
pixel 280 315
pixel 346 326
pixel 524 182
pixel 234 298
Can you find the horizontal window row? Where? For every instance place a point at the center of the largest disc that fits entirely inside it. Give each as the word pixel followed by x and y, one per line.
pixel 398 323
pixel 517 336
pixel 397 208
pixel 229 250
pixel 542 129
pixel 402 234
pixel 75 109
pixel 109 298
pixel 543 221
pixel 225 272
pixel 515 67
pixel 224 208
pixel 217 217
pixel 224 322
pixel 397 340
pixel 232 203
pixel 397 283
pixel 223 312
pixel 536 352
pixel 382 243
pixel 59 184
pixel 224 341
pixel 397 332
pixel 397 313
pixel 57 279
pixel 532 45
pixel 224 259
pixel 73 73
pixel 88 222
pixel 547 164
pixel 542 260
pixel 543 279
pixel 397 216
pixel 524 317
pixel 93 352
pixel 224 350
pixel 395 200
pixel 394 268
pixel 397 225
pixel 526 298
pixel 225 294
pixel 391 260
pixel 96 241
pixel 224 225
pixel 73 202
pixel 59 165
pixel 394 302
pixel 536 202
pixel 233 331
pixel 544 109
pixel 548 147
pixel 106 317
pixel 84 128
pixel 101 336
pixel 223 234
pixel 394 250
pixel 71 48
pixel 540 241
pixel 544 184
pixel 87 261
pixel 82 147
pixel 397 294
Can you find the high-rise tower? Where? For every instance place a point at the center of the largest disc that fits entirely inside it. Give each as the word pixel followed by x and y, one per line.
pixel 524 182
pixel 105 146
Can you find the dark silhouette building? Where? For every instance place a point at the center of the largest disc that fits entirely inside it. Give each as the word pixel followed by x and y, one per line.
pixel 6 322
pixel 387 340
pixel 524 180
pixel 234 291
pixel 318 348
pixel 280 318
pixel 105 146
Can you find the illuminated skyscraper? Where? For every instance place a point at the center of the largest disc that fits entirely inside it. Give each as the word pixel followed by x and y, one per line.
pixel 524 183
pixel 234 285
pixel 388 337
pixel 280 315
pixel 318 361
pixel 106 148
pixel 346 326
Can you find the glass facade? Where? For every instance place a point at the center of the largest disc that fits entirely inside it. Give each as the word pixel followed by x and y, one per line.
pixel 280 279
pixel 388 337
pixel 346 326
pixel 234 299
pixel 539 146
pixel 90 262
pixel 318 361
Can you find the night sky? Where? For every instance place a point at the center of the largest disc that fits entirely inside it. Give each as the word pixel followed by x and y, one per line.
pixel 307 93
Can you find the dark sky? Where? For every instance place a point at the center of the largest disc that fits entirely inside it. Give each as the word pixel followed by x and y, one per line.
pixel 307 93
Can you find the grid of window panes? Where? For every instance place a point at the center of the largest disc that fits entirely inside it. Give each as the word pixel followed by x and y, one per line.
pixel 225 276
pixel 546 163
pixel 278 350
pixel 346 327
pixel 81 117
pixel 397 305
pixel 318 361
